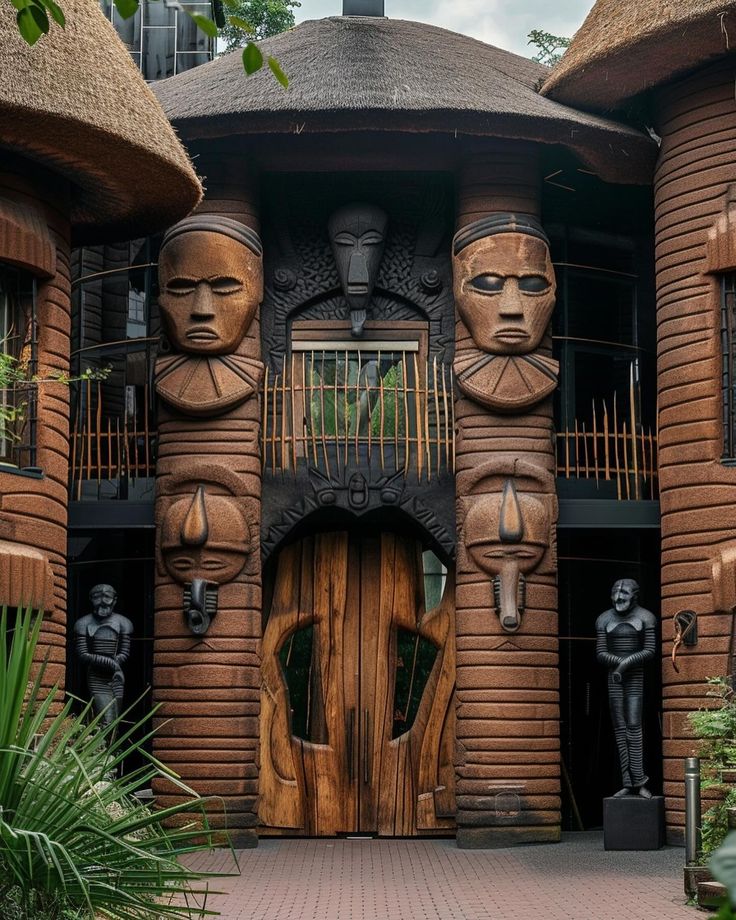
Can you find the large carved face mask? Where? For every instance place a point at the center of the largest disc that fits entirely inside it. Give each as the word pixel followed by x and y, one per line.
pixel 505 291
pixel 211 286
pixel 358 236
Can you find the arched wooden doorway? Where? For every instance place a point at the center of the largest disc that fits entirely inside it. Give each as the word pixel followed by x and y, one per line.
pixel 357 700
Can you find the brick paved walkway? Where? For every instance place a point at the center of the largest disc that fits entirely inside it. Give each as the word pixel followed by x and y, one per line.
pixel 433 880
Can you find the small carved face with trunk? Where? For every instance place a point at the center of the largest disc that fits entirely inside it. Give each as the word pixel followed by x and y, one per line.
pixel 507 536
pixel 504 283
pixel 211 280
pixel 358 236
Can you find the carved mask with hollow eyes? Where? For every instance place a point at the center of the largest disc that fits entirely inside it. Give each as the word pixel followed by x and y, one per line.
pixel 505 292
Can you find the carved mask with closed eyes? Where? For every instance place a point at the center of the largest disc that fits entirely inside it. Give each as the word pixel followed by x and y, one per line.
pixel 505 292
pixel 358 237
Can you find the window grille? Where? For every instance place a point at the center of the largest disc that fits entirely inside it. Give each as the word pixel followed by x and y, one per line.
pixel 18 392
pixel 728 348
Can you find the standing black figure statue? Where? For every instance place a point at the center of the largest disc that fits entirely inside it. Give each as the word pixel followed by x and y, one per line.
pixel 625 639
pixel 102 640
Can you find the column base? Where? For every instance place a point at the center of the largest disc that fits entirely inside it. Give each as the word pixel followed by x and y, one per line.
pixel 494 838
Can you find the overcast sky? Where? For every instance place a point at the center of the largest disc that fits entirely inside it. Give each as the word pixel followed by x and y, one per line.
pixel 505 23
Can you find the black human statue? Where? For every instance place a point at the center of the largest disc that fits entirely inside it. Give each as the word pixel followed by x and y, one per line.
pixel 102 639
pixel 625 640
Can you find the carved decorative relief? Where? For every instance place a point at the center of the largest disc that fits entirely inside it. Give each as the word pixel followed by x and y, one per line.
pixel 211 279
pixel 509 519
pixel 505 288
pixel 205 533
pixel 358 237
pixel 358 496
pixel 314 241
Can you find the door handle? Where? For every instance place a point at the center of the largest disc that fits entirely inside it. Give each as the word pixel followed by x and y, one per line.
pixel 349 740
pixel 366 747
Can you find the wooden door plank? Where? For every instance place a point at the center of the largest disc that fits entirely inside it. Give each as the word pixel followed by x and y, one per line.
pixel 280 799
pixel 327 790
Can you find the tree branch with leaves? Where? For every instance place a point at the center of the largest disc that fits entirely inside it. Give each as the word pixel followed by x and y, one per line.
pixel 234 21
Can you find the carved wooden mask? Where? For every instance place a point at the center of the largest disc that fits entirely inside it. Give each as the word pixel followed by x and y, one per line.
pixel 204 537
pixel 504 283
pixel 509 512
pixel 211 280
pixel 358 236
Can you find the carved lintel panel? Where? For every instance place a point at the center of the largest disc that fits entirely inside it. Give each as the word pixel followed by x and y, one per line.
pixel 509 518
pixel 398 242
pixel 505 289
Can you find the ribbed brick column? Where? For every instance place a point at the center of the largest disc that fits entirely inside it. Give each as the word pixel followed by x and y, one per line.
pixel 210 686
pixel 507 685
pixel 33 512
pixel 694 231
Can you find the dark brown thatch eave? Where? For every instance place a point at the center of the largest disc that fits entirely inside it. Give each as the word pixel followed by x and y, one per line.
pixel 619 155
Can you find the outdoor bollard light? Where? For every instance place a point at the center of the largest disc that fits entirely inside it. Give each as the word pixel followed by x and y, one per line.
pixel 692 809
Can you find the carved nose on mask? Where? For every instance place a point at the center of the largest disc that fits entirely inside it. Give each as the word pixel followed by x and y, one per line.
pixel 195 529
pixel 511 525
pixel 358 274
pixel 202 305
pixel 512 300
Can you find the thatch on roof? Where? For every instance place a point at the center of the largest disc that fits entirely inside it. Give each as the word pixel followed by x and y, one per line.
pixel 77 103
pixel 625 47
pixel 367 73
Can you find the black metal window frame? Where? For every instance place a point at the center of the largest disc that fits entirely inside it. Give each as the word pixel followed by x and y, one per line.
pixel 728 354
pixel 18 306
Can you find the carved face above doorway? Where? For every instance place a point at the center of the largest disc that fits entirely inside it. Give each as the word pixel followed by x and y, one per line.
pixel 358 237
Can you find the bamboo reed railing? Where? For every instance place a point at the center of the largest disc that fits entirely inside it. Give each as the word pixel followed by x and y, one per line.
pixel 401 421
pixel 610 447
pixel 107 446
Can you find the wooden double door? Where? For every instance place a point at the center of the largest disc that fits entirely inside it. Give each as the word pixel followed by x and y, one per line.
pixel 357 706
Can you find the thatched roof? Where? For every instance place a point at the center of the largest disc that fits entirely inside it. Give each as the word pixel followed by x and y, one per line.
pixel 627 46
pixel 367 73
pixel 77 103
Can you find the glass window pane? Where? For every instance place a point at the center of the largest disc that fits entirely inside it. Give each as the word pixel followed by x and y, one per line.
pixel 415 658
pixel 156 13
pixel 158 53
pixel 300 662
pixel 129 30
pixel 189 37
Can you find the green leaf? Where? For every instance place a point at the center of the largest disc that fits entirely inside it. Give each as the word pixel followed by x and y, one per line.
pixel 252 58
pixel 126 8
pixel 278 72
pixel 56 11
pixel 206 25
pixel 28 24
pixel 242 24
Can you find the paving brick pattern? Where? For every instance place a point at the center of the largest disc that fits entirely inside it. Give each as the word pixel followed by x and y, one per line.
pixel 433 880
